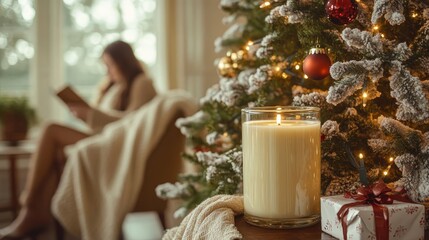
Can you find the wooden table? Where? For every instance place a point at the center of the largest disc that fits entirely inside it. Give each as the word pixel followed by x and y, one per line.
pixel 250 232
pixel 12 154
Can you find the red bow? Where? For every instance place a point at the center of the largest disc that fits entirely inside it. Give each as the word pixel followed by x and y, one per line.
pixel 374 195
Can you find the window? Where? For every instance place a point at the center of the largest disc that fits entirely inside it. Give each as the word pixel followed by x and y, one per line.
pixel 45 43
pixel 91 25
pixel 16 45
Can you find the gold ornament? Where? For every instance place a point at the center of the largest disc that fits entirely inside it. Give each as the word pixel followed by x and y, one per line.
pixel 225 67
pixel 229 65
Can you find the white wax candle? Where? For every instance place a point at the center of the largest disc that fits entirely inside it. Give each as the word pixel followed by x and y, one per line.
pixel 281 168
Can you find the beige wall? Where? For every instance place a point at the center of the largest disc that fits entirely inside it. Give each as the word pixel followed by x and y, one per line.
pixel 192 27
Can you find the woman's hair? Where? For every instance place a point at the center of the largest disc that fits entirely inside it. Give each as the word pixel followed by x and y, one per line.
pixel 123 56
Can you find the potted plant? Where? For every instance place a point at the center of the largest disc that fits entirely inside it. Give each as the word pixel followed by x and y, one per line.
pixel 16 115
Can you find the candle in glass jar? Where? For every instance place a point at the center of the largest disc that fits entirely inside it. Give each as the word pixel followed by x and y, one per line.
pixel 281 168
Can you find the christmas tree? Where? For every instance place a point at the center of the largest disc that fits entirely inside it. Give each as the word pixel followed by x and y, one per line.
pixel 373 97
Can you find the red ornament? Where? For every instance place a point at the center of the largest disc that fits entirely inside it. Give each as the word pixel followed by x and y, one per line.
pixel 316 65
pixel 341 11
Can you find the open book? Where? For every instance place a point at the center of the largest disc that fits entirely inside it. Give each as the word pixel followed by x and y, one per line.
pixel 70 96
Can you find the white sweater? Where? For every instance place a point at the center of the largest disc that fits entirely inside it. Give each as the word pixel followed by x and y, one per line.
pixel 142 91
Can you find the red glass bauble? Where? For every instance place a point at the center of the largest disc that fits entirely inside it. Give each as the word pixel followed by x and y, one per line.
pixel 341 11
pixel 316 65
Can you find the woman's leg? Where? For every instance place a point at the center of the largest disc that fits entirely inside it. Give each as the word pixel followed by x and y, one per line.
pixel 36 217
pixel 42 179
pixel 50 147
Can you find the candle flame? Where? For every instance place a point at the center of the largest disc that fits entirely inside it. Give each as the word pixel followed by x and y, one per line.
pixel 279 117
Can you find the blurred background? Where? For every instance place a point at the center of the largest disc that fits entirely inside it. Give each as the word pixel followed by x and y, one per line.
pixel 45 44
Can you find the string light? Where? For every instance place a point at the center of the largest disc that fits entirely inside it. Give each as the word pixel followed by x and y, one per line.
pixel 297 67
pixel 305 76
pixel 414 15
pixel 382 35
pixel 386 172
pixel 284 75
pixel 249 43
pixel 265 4
pixel 364 98
pixel 375 27
pixel 360 156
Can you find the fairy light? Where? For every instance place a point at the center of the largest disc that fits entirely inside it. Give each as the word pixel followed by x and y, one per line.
pixel 386 172
pixel 265 4
pixel 249 43
pixel 382 35
pixel 360 156
pixel 305 76
pixel 375 27
pixel 414 15
pixel 297 67
pixel 364 98
pixel 235 65
pixel 234 56
pixel 284 75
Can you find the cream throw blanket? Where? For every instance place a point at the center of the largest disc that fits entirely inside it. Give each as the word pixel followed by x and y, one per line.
pixel 104 173
pixel 213 219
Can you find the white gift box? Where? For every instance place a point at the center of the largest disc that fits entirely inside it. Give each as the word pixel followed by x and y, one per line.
pixel 406 220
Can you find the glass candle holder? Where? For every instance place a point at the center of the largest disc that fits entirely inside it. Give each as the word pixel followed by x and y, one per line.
pixel 281 166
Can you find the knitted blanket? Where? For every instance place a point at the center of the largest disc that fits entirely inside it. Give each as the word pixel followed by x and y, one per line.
pixel 104 173
pixel 213 219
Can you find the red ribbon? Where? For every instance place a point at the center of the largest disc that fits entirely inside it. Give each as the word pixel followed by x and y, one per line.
pixel 373 195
